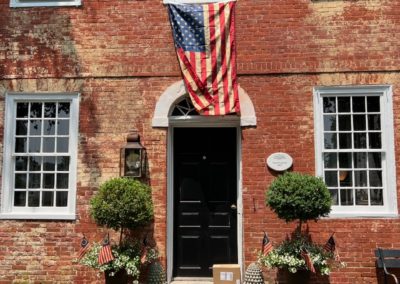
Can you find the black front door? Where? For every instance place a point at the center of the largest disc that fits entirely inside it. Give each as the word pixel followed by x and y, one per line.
pixel 205 193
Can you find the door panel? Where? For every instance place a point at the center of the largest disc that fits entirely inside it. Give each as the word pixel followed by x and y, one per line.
pixel 205 188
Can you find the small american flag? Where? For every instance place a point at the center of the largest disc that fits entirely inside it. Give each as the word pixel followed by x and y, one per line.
pixel 330 245
pixel 266 245
pixel 84 248
pixel 144 251
pixel 204 36
pixel 105 254
pixel 307 259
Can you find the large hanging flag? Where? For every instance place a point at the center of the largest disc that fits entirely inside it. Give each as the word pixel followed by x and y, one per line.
pixel 266 245
pixel 84 248
pixel 204 36
pixel 105 254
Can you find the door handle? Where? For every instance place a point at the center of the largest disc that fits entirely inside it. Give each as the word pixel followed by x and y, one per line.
pixel 233 207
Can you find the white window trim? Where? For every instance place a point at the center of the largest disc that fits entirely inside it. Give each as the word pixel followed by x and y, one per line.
pixel 38 3
pixel 388 162
pixel 64 213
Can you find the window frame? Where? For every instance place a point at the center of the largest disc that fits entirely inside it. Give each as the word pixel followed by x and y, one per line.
pixel 46 3
pixel 51 213
pixel 389 209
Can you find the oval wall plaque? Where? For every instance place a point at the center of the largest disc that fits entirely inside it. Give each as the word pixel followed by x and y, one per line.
pixel 279 161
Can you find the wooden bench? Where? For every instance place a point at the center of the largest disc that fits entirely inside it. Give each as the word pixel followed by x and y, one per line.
pixel 388 258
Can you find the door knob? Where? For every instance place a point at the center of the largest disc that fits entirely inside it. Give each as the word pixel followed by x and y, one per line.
pixel 233 207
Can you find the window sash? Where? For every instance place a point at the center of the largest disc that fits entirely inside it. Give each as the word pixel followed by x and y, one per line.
pixel 44 3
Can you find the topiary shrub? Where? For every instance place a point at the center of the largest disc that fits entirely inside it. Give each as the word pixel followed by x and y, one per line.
pixel 122 203
pixel 294 196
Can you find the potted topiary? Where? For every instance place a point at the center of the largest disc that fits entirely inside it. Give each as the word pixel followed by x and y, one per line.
pixel 299 197
pixel 122 204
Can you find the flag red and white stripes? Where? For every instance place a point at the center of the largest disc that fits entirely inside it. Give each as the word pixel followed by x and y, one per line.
pixel 84 248
pixel 330 245
pixel 204 37
pixel 266 245
pixel 105 254
pixel 307 259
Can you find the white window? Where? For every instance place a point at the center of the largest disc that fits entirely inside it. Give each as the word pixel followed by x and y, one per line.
pixel 40 154
pixel 355 149
pixel 43 3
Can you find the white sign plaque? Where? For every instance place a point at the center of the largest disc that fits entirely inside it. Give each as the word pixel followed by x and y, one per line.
pixel 279 161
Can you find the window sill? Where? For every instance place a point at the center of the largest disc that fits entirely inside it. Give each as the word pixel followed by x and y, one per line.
pixel 26 216
pixel 362 215
pixel 23 4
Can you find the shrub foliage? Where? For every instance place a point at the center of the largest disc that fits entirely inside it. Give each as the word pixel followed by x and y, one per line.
pixel 294 196
pixel 122 203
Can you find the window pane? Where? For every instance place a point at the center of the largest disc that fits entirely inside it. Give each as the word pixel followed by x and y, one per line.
pixel 344 104
pixel 20 198
pixel 35 127
pixel 375 178
pixel 330 141
pixel 62 198
pixel 63 163
pixel 360 140
pixel 63 109
pixel 345 160
pixel 374 122
pixel 21 127
pixel 49 127
pixel 35 163
pixel 49 110
pixel 49 163
pixel 346 197
pixel 375 141
pixel 20 181
pixel 376 196
pixel 360 178
pixel 359 122
pixel 375 160
pixel 62 181
pixel 358 104
pixel 48 180
pixel 329 122
pixel 20 145
pixel 63 127
pixel 345 178
pixel 362 196
pixel 344 140
pixel 21 163
pixel 34 145
pixel 329 105
pixel 345 122
pixel 373 104
pixel 34 181
pixel 62 145
pixel 36 110
pixel 331 178
pixel 49 145
pixel 335 197
pixel 360 160
pixel 33 198
pixel 22 110
pixel 330 160
pixel 47 198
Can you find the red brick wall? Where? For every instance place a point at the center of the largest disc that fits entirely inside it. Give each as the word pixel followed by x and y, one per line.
pixel 120 57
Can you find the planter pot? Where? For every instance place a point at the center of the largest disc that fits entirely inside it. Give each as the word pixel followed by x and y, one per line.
pixel 119 278
pixel 300 277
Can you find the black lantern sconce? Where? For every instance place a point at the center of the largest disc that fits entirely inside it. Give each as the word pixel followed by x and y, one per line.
pixel 132 157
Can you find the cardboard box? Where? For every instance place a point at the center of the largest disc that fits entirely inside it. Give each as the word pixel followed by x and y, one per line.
pixel 226 274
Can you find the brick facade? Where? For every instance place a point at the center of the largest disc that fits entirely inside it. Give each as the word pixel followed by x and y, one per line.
pixel 120 57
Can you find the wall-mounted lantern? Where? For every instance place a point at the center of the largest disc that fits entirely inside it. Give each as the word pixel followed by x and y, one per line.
pixel 132 157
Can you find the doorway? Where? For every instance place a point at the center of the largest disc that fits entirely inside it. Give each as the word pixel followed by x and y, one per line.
pixel 205 199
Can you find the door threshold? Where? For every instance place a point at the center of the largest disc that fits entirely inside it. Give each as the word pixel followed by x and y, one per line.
pixel 189 280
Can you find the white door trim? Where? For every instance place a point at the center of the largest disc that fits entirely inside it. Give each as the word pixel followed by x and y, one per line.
pixel 201 122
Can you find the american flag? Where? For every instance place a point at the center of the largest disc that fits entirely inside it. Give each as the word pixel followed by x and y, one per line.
pixel 204 36
pixel 143 256
pixel 330 245
pixel 105 254
pixel 307 259
pixel 84 248
pixel 266 245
